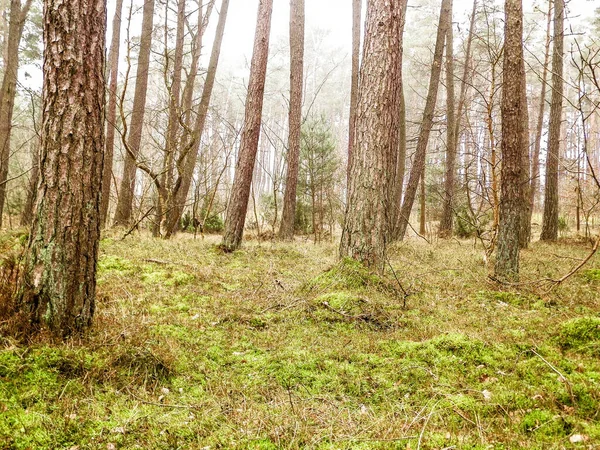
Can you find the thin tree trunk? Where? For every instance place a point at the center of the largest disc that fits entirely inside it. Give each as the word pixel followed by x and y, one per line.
pixel 356 27
pixel 366 227
pixel 187 159
pixel 111 119
pixel 507 258
pixel 238 201
pixel 126 191
pixel 18 14
pixel 175 97
pixel 286 229
pixel 525 231
pixel 27 214
pixel 445 230
pixel 422 206
pixel 550 220
pixel 426 123
pixel 58 283
pixel 535 165
pixel 400 168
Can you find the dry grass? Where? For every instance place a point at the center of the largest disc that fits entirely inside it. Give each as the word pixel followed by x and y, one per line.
pixel 277 346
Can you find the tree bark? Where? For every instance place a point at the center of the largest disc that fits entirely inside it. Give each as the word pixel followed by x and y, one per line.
pixel 399 170
pixel 418 165
pixel 111 119
pixel 445 230
pixel 448 211
pixel 175 98
pixel 27 214
pixel 356 27
pixel 186 161
pixel 550 220
pixel 58 283
pixel 525 231
pixel 366 226
pixel 511 199
pixel 286 229
pixel 535 165
pixel 240 192
pixel 18 14
pixel 126 190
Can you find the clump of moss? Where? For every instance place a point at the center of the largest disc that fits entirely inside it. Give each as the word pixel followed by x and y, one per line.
pixel 592 274
pixel 143 365
pixel 545 424
pixel 510 298
pixel 581 334
pixel 109 263
pixel 341 306
pixel 348 274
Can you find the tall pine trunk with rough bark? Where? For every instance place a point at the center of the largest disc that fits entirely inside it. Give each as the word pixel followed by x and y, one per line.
pixel 240 191
pixel 111 113
pixel 8 91
pixel 511 195
pixel 127 187
pixel 550 220
pixel 418 165
pixel 286 229
pixel 58 284
pixel 366 226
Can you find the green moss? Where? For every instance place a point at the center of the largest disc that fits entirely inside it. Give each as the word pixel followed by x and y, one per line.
pixel 510 298
pixel 115 264
pixel 545 424
pixel 348 274
pixel 591 274
pixel 581 334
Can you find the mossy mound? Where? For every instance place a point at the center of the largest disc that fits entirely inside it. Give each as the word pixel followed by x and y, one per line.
pixel 581 334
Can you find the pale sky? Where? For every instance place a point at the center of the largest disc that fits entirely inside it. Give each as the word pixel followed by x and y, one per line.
pixel 335 16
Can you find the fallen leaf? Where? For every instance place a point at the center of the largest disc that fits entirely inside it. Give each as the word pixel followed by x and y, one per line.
pixel 576 438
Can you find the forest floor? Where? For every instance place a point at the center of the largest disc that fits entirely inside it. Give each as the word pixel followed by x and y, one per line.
pixel 278 346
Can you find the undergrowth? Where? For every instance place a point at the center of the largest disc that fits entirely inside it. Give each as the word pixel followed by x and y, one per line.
pixel 280 346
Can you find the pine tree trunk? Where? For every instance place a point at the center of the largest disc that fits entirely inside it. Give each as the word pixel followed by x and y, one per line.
pixel 525 231
pixel 8 91
pixel 448 212
pixel 126 190
pixel 286 229
pixel 535 164
pixel 58 284
pixel 366 226
pixel 400 169
pixel 426 123
pixel 173 126
pixel 111 114
pixel 240 192
pixel 27 214
pixel 186 162
pixel 356 27
pixel 550 220
pixel 511 199
pixel 445 230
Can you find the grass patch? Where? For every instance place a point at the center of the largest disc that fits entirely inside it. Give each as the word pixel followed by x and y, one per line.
pixel 279 346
